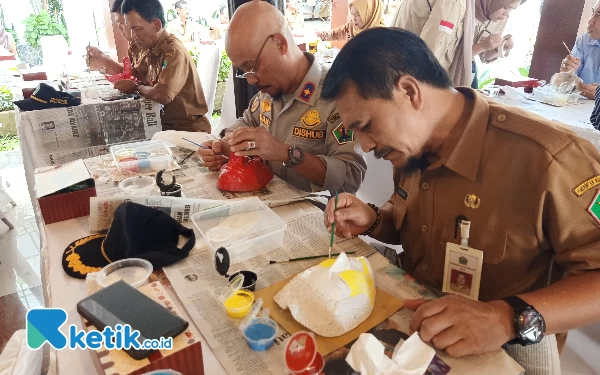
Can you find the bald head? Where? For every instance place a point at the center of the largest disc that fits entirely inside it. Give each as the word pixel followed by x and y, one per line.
pixel 260 41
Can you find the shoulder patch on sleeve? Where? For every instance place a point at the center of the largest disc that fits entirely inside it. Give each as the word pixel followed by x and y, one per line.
pixel 343 135
pixel 582 188
pixel 333 118
pixel 255 103
pixel 594 208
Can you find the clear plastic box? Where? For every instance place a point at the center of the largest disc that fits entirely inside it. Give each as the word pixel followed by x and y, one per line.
pixel 245 228
pixel 142 157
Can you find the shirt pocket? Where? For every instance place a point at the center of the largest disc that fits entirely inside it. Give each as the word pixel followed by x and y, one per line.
pixel 489 240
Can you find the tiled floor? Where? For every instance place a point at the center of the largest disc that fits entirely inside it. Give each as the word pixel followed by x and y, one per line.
pixel 20 284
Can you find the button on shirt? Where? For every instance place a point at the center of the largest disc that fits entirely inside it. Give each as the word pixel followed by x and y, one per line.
pixel 522 171
pixel 314 125
pixel 173 73
pixel 588 51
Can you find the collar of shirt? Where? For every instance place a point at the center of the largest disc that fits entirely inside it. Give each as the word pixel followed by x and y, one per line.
pixel 161 44
pixel 462 151
pixel 590 41
pixel 313 76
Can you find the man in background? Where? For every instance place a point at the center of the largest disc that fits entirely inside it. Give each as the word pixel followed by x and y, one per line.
pixel 172 79
pixel 98 60
pixel 218 27
pixel 584 59
pixel 183 27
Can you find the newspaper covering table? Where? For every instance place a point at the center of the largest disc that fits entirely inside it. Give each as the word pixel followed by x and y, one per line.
pixel 199 187
pixel 305 236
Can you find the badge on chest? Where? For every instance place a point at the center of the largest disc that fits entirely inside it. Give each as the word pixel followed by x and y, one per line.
pixel 462 268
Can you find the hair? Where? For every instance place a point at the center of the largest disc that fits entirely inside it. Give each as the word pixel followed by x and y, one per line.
pixel 376 58
pixel 147 9
pixel 180 4
pixel 116 7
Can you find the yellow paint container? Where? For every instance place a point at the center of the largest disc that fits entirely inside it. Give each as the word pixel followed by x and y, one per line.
pixel 237 301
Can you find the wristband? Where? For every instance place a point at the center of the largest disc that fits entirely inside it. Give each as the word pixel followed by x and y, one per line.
pixel 377 220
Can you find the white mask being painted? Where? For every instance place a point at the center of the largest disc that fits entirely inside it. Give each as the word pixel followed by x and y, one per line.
pixel 331 298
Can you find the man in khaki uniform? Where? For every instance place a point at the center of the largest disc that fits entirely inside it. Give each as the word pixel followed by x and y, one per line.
pixel 298 134
pixel 98 60
pixel 172 78
pixel 440 23
pixel 529 187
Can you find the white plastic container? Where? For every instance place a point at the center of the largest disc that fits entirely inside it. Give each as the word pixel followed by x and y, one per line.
pixel 134 271
pixel 255 229
pixel 137 185
pixel 143 157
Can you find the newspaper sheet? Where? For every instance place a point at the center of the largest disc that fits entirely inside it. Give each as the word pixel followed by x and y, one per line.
pixel 66 134
pixel 305 236
pixel 199 185
pixel 540 359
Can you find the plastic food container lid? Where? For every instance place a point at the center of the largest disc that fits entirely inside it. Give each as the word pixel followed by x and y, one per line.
pixel 300 352
pixel 252 314
pixel 234 286
pixel 137 185
pixel 222 261
pixel 134 271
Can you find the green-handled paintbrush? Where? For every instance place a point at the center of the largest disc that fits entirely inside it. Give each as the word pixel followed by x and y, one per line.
pixel 308 258
pixel 333 225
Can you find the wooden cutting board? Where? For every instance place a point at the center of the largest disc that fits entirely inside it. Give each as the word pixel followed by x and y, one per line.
pixel 386 305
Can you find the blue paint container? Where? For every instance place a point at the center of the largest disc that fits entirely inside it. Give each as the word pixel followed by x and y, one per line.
pixel 259 332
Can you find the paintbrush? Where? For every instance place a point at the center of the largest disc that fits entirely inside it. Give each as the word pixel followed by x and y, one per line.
pixel 202 146
pixel 333 225
pixel 568 50
pixel 308 258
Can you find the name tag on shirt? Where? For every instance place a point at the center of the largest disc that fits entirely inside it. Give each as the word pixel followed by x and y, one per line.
pixel 462 270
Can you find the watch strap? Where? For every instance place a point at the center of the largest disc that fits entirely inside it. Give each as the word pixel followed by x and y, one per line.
pixel 517 303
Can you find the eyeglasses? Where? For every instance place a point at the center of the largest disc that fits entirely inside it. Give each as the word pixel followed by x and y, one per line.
pixel 239 73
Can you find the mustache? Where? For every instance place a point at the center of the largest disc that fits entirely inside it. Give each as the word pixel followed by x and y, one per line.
pixel 380 154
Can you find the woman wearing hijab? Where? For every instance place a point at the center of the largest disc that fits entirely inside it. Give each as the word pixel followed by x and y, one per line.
pixel 492 17
pixel 366 14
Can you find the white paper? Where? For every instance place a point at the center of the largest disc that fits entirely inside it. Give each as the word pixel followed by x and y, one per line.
pixel 52 179
pixel 539 359
pixel 411 357
pixel 176 137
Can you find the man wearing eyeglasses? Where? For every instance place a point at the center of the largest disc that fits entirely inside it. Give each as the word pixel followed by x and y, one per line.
pixel 298 134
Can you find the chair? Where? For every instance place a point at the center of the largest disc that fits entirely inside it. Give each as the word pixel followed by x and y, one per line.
pixel 208 70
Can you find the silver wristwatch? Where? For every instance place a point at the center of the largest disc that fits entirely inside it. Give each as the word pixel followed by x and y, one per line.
pixel 295 156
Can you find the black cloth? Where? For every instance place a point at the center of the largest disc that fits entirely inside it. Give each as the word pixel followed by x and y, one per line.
pixel 595 118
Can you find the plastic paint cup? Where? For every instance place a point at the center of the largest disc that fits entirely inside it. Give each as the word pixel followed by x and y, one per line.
pixel 260 334
pixel 249 280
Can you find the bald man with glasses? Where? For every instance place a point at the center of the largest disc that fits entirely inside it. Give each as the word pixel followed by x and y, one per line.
pixel 299 135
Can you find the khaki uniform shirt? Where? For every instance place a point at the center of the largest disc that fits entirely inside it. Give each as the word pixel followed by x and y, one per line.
pixel 184 33
pixel 172 72
pixel 314 125
pixel 485 29
pixel 525 183
pixel 440 26
pixel 138 58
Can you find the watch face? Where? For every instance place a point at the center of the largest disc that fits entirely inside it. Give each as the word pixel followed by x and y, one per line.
pixel 296 153
pixel 532 326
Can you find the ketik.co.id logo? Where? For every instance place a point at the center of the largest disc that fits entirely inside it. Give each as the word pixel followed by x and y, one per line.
pixel 43 325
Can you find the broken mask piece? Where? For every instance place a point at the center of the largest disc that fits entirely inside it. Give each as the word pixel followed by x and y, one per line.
pixel 331 298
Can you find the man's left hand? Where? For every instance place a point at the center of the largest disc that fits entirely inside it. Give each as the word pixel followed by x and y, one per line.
pixel 126 86
pixel 461 326
pixel 265 145
pixel 509 42
pixel 589 91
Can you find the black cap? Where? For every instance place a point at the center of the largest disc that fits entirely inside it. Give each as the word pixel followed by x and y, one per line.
pixel 136 231
pixel 46 96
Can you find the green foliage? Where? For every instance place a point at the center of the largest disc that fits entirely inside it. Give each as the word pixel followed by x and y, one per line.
pixel 42 24
pixel 6 99
pixel 171 15
pixel 484 79
pixel 524 72
pixel 8 142
pixel 195 53
pixel 224 67
pixel 216 114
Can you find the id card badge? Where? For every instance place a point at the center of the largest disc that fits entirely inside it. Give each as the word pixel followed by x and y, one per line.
pixel 462 270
